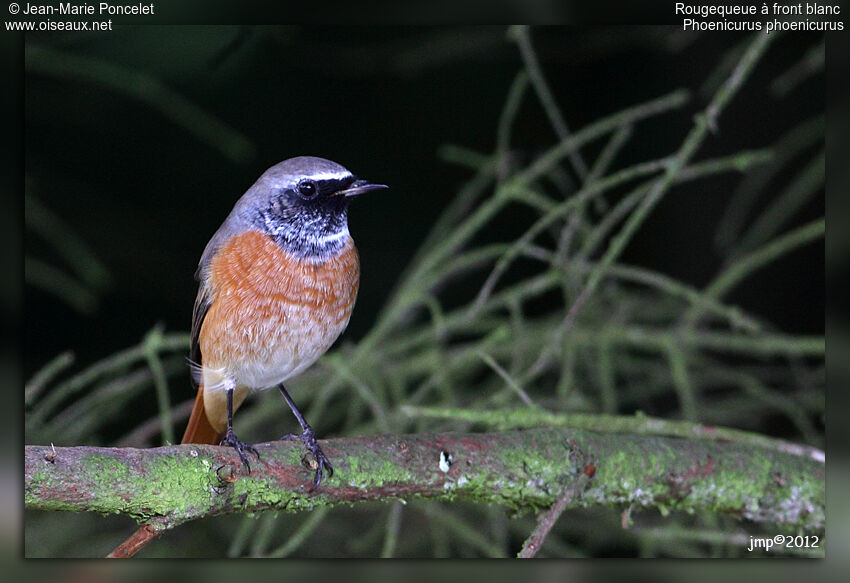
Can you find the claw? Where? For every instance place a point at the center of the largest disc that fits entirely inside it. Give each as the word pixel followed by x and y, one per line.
pixel 312 445
pixel 241 447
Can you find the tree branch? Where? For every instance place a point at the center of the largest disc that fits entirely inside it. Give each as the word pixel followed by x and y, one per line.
pixel 167 486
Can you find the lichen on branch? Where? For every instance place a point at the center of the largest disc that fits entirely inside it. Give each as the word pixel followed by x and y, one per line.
pixel 529 469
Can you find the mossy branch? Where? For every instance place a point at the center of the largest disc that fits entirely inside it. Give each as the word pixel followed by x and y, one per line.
pixel 529 469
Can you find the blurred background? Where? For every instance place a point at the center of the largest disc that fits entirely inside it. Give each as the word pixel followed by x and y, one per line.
pixel 138 142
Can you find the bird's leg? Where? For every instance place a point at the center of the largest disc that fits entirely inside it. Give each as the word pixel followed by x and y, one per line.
pixel 230 437
pixel 308 436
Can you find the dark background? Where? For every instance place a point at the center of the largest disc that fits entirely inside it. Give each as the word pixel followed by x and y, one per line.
pixel 146 194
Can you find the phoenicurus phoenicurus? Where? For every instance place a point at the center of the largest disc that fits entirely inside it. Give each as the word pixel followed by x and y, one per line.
pixel 278 282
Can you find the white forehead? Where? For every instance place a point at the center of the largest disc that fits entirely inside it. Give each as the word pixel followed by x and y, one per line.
pixel 295 169
pixel 325 175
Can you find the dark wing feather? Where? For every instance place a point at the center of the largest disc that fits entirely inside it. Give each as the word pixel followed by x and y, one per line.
pixel 199 311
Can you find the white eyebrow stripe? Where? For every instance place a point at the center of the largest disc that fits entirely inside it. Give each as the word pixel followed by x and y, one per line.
pixel 330 175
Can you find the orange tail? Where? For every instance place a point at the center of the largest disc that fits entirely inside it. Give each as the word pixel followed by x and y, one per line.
pixel 198 431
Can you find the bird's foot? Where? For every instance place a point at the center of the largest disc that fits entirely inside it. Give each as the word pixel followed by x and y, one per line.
pixel 241 447
pixel 312 445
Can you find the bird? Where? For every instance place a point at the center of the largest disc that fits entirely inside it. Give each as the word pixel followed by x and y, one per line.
pixel 277 285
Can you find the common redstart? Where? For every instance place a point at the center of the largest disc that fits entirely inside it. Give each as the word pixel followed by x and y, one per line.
pixel 278 282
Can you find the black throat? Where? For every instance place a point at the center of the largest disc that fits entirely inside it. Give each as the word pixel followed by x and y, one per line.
pixel 317 232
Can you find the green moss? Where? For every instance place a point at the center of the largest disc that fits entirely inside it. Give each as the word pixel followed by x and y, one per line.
pixel 258 493
pixel 104 470
pixel 525 470
pixel 353 464
pixel 370 469
pixel 183 485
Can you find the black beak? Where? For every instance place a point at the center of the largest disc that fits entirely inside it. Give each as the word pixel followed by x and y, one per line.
pixel 359 187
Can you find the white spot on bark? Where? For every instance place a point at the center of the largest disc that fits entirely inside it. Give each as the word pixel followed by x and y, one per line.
pixel 445 461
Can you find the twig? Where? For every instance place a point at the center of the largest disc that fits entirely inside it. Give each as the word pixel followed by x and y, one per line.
pixel 635 425
pixel 677 358
pixel 813 62
pixel 520 34
pixel 136 542
pixel 751 262
pixel 704 122
pixel 55 281
pixel 147 89
pixel 591 192
pixel 741 162
pixel 506 122
pixel 46 374
pixel 393 528
pixel 785 205
pixel 509 380
pixel 738 210
pixel 631 115
pixel 299 536
pixel 141 435
pixel 68 244
pixel 547 519
pixel 114 362
pixel 151 344
pixel 463 530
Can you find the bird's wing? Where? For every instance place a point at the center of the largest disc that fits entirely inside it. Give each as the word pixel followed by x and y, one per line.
pixel 199 429
pixel 199 312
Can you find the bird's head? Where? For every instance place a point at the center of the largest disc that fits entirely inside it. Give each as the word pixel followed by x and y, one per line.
pixel 303 204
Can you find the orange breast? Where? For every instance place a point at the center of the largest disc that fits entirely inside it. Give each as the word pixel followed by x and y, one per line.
pixel 272 313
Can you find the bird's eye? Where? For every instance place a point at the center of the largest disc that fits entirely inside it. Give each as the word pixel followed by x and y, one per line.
pixel 308 188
